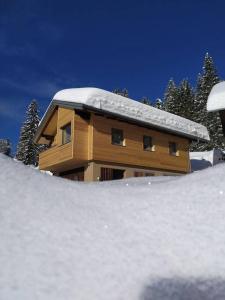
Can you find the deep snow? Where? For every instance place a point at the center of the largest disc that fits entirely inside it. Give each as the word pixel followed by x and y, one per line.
pixel 144 238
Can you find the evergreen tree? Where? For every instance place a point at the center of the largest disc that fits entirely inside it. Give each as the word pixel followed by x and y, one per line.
pixel 27 150
pixel 146 100
pixel 211 120
pixel 5 146
pixel 171 97
pixel 159 104
pixel 185 100
pixel 121 92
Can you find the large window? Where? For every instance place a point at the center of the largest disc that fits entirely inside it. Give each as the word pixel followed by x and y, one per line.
pixel 173 149
pixel 66 134
pixel 117 137
pixel 147 143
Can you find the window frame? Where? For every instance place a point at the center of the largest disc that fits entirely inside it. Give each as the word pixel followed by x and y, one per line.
pixel 63 130
pixel 123 139
pixel 152 146
pixel 176 152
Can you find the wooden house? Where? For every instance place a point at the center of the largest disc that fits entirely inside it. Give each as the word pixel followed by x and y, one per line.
pixel 97 135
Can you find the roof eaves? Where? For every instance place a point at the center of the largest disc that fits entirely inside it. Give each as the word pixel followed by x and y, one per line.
pixel 80 106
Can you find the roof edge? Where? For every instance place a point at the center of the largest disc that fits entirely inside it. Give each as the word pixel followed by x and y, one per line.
pixel 80 106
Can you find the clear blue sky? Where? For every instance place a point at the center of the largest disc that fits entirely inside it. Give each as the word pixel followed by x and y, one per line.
pixel 46 46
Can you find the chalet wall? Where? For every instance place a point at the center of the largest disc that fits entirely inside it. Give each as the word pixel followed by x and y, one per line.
pixel 132 153
pixel 91 142
pixel 80 138
pixel 93 171
pixel 58 153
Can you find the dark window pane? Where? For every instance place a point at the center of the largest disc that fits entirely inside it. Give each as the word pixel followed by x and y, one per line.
pixel 147 142
pixel 172 148
pixel 117 136
pixel 66 134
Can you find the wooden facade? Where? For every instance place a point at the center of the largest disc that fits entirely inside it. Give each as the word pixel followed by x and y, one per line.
pixel 92 150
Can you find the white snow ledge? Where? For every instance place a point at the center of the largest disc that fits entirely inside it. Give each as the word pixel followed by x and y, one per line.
pixel 216 99
pixel 125 107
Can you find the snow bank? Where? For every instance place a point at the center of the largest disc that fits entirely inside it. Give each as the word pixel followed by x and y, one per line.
pixel 149 239
pixel 216 99
pixel 125 107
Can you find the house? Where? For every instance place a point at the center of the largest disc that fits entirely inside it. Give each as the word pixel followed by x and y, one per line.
pixel 216 101
pixel 94 134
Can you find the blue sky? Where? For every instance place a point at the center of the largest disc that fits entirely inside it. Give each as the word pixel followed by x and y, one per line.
pixel 46 46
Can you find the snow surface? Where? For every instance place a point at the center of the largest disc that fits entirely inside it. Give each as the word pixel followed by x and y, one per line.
pixel 216 99
pixel 159 238
pixel 123 106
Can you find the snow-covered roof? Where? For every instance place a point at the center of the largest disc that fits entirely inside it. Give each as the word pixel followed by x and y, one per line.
pixel 98 99
pixel 216 99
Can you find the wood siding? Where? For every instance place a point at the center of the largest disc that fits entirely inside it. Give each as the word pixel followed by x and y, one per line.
pixel 132 153
pixel 80 141
pixel 91 141
pixel 58 154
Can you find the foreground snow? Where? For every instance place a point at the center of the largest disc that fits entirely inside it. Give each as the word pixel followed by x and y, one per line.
pixel 150 238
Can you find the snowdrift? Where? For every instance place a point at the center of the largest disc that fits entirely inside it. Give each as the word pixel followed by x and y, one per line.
pixel 145 238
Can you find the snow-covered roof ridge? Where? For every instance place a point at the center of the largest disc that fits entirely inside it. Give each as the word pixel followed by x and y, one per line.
pixel 216 99
pixel 125 107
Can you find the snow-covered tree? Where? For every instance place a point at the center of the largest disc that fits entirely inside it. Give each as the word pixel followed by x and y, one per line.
pixel 5 146
pixel 121 92
pixel 179 100
pixel 206 80
pixel 185 100
pixel 159 104
pixel 27 150
pixel 171 97
pixel 146 100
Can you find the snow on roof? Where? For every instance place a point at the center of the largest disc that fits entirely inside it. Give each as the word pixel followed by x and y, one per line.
pixel 216 99
pixel 125 107
pixel 153 238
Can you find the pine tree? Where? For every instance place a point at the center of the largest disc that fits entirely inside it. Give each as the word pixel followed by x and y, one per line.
pixel 121 92
pixel 185 100
pixel 146 100
pixel 5 146
pixel 27 150
pixel 159 104
pixel 171 97
pixel 211 120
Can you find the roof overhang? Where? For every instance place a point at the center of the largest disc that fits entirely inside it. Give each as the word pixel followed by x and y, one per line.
pixel 81 106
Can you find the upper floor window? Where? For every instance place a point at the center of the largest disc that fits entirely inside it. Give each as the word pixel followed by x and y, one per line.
pixel 117 137
pixel 66 134
pixel 147 143
pixel 173 149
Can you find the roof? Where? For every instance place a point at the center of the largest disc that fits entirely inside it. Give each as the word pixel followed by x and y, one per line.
pixel 216 99
pixel 107 102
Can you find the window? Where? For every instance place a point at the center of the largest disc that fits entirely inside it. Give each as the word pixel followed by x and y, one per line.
pixel 117 137
pixel 173 149
pixel 111 174
pixel 147 143
pixel 66 134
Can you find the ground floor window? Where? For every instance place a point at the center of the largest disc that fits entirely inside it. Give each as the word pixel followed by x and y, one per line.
pixel 75 174
pixel 111 174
